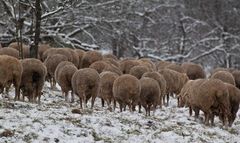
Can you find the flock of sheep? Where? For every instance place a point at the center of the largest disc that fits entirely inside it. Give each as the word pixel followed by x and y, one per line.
pixel 129 82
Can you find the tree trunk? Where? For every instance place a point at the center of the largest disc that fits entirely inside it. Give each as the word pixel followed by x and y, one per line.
pixel 34 46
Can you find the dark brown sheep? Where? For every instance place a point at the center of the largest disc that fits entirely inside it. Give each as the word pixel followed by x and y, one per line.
pixel 80 56
pixel 193 71
pixel 126 91
pixel 99 66
pixel 126 65
pixel 85 84
pixel 212 97
pixel 90 57
pixel 33 77
pixel 150 94
pixel 224 76
pixel 174 81
pixel 138 71
pixel 10 52
pixel 63 76
pixel 161 81
pixel 11 72
pixel 175 67
pixel 51 63
pixel 236 75
pixel 234 98
pixel 105 87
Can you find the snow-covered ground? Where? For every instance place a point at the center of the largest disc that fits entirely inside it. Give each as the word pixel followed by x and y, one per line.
pixel 53 121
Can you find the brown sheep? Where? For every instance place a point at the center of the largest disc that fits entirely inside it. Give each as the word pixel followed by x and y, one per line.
pixel 80 56
pixel 10 52
pixel 112 61
pixel 113 68
pixel 105 88
pixel 224 76
pixel 126 65
pixel 25 49
pixel 174 81
pixel 61 51
pixel 175 67
pixel 126 91
pixel 193 71
pixel 51 63
pixel 150 94
pixel 85 84
pixel 218 69
pixel 63 76
pixel 75 57
pixel 234 98
pixel 99 66
pixel 90 57
pixel 138 71
pixel 41 49
pixel 1 46
pixel 60 65
pixel 212 97
pixel 111 56
pixel 162 64
pixel 33 77
pixel 11 72
pixel 147 62
pixel 161 81
pixel 236 75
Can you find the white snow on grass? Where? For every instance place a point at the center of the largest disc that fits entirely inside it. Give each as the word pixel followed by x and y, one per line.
pixel 53 121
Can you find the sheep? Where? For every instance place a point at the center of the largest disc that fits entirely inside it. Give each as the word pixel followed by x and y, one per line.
pixel 236 75
pixel 11 72
pixel 61 51
pixel 126 65
pixel 224 76
pixel 150 94
pixel 74 55
pixel 111 56
pixel 174 81
pixel 105 88
pixel 126 91
pixel 1 46
pixel 175 67
pixel 41 49
pixel 99 66
pixel 234 98
pixel 90 57
pixel 85 84
pixel 80 56
pixel 10 52
pixel 51 63
pixel 147 62
pixel 162 64
pixel 161 81
pixel 33 77
pixel 112 68
pixel 138 71
pixel 212 97
pixel 112 61
pixel 25 49
pixel 63 76
pixel 193 71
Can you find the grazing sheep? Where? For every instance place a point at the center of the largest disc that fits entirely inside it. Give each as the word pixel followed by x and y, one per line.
pixel 63 76
pixel 99 66
pixel 25 49
pixel 80 56
pixel 162 64
pixel 51 63
pixel 105 87
pixel 90 57
pixel 33 77
pixel 193 71
pixel 126 65
pixel 10 72
pixel 138 71
pixel 236 75
pixel 234 98
pixel 74 55
pixel 126 91
pixel 61 51
pixel 112 68
pixel 161 81
pixel 111 56
pixel 150 94
pixel 212 97
pixel 85 84
pixel 174 81
pixel 10 52
pixel 175 67
pixel 224 76
pixel 41 49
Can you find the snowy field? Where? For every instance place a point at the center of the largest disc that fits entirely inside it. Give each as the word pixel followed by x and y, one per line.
pixel 53 121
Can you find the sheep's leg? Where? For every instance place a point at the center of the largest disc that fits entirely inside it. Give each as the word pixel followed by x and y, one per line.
pixel 72 97
pixel 66 96
pixel 206 118
pixel 102 102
